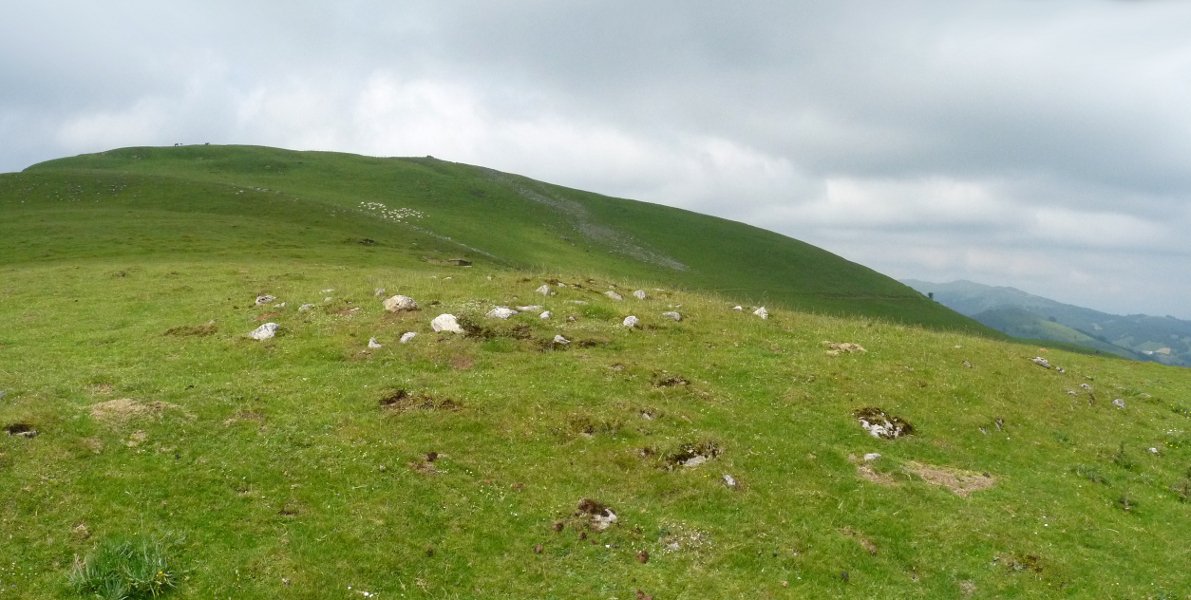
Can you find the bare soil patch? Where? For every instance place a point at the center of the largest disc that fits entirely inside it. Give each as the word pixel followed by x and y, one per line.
pixel 123 410
pixel 24 430
pixel 961 482
pixel 203 330
pixel 667 379
pixel 402 401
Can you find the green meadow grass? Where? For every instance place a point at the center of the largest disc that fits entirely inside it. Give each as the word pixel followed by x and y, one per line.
pixel 454 466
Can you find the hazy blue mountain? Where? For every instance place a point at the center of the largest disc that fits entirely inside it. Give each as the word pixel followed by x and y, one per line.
pixel 1023 315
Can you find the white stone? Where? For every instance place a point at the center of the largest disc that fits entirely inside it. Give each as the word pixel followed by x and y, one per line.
pixel 761 312
pixel 530 308
pixel 1118 403
pixel 558 339
pixel 399 303
pixel 305 307
pixel 871 456
pixel 544 290
pixel 407 336
pixel 673 315
pixel 630 321
pixel 738 308
pixel 639 294
pixel 729 481
pixel 446 322
pixel 264 332
pixel 1041 362
pixel 372 343
pixel 265 299
pixel 545 314
pixel 501 312
pixel 603 520
pixel 613 295
pixel 694 461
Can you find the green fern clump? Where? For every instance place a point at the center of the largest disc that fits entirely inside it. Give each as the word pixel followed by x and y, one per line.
pixel 124 569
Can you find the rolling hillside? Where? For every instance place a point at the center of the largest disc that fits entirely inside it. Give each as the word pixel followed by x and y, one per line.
pixel 550 446
pixel 1140 337
pixel 323 204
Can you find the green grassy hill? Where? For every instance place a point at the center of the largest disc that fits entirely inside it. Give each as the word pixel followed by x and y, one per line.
pixel 221 201
pixel 135 408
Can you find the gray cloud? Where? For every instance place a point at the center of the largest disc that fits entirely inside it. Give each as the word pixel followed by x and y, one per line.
pixel 1031 144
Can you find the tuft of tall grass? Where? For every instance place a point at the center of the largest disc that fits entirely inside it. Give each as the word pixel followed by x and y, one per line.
pixel 124 569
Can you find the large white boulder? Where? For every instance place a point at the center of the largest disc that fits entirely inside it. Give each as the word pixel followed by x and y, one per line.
pixel 501 312
pixel 264 332
pixel 399 303
pixel 446 322
pixel 630 321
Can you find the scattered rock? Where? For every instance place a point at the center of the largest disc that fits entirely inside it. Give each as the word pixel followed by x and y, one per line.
pixel 501 312
pixel 373 344
pixel 446 322
pixel 265 299
pixel 558 339
pixel 378 292
pixel 407 336
pixel 881 425
pixel 613 295
pixel 305 307
pixel 1119 403
pixel 967 364
pixel 630 321
pixel 1041 362
pixel 730 481
pixel 264 332
pixel 530 308
pixel 761 312
pixel 673 315
pixel 545 315
pixel 23 430
pixel 692 455
pixel 596 513
pixel 738 308
pixel 544 290
pixel 871 456
pixel 639 294
pixel 400 303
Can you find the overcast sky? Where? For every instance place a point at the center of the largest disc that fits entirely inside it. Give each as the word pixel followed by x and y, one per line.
pixel 1041 144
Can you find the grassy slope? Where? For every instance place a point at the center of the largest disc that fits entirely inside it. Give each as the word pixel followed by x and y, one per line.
pixel 273 471
pixel 522 223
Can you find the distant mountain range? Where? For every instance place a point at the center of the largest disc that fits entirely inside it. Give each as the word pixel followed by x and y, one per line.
pixel 1162 339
